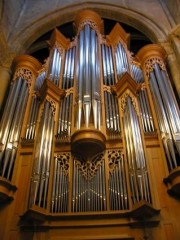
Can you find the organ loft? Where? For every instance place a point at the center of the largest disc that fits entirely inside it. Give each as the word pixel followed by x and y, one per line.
pixel 90 140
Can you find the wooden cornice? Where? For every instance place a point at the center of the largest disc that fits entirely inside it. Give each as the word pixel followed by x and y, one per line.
pixel 50 89
pixel 116 34
pixel 173 182
pixel 26 61
pixel 7 190
pixel 124 83
pixel 151 51
pixel 58 37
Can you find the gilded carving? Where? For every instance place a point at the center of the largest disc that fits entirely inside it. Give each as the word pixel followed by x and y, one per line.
pixel 123 100
pixel 25 74
pixel 90 168
pixel 114 156
pixel 59 47
pixel 63 160
pixel 53 105
pixel 149 65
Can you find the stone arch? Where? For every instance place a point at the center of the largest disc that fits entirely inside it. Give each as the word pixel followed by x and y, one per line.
pixel 27 36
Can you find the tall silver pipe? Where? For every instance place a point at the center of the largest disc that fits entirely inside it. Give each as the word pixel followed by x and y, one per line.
pixel 48 160
pixel 172 111
pixel 31 116
pixel 54 185
pixel 15 138
pixel 80 78
pixel 44 158
pixel 144 114
pixel 39 153
pixel 87 81
pixel 119 62
pixel 141 164
pixel 95 90
pixel 132 160
pixel 172 99
pixel 9 110
pixel 111 65
pixel 146 101
pixel 72 66
pixel 15 130
pixel 163 123
pixel 52 64
pixel 161 114
pixel 34 120
pixel 121 58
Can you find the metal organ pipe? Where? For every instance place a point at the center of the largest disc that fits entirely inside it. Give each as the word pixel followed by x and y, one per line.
pixel 167 114
pixel 60 184
pixel 40 80
pixel 41 167
pixel 55 66
pixel 32 120
pixel 145 112
pixel 88 79
pixel 117 181
pixel 88 186
pixel 169 102
pixel 135 154
pixel 9 110
pixel 122 64
pixel 11 125
pixel 65 115
pixel 111 104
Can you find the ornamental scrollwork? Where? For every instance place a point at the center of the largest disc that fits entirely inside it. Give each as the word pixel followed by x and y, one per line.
pixel 63 160
pixel 149 65
pixel 25 74
pixel 89 168
pixel 114 157
pixel 59 48
pixel 123 101
pixel 52 105
pixel 92 24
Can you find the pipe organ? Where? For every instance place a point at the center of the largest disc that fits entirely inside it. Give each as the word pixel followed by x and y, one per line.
pixel 85 117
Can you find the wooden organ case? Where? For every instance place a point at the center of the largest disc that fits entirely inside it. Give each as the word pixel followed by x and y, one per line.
pixel 88 138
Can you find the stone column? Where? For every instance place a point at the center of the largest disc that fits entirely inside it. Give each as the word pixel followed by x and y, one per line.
pixel 6 57
pixel 175 41
pixel 5 76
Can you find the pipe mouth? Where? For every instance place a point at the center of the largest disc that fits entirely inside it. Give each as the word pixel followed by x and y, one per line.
pixel 87 143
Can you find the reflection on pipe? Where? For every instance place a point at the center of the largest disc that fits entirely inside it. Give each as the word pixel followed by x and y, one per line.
pixel 32 120
pixel 135 154
pixel 65 115
pixel 111 103
pixel 137 73
pixel 167 113
pixel 11 124
pixel 60 188
pixel 40 80
pixel 40 178
pixel 89 185
pixel 145 111
pixel 122 64
pixel 55 66
pixel 88 103
pixel 117 181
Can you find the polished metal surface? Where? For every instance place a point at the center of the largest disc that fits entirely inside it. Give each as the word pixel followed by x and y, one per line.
pixel 11 126
pixel 42 158
pixel 135 155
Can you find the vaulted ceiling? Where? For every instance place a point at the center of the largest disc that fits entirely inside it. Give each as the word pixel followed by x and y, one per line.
pixel 25 24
